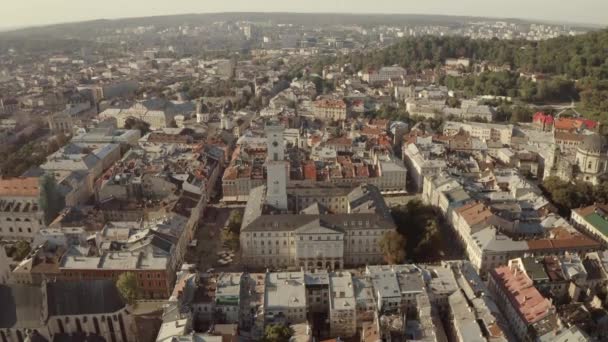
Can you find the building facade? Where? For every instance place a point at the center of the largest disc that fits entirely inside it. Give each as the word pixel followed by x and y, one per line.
pixel 311 226
pixel 330 110
pixel 529 314
pixel 20 214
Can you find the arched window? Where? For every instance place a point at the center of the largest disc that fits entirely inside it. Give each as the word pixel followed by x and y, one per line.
pixel 111 329
pixel 96 325
pixel 78 325
pixel 123 332
pixel 60 325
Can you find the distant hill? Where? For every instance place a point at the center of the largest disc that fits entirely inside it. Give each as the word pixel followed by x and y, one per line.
pixel 87 29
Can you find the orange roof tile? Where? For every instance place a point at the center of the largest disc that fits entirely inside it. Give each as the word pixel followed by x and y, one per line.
pixel 474 213
pixel 22 186
pixel 524 297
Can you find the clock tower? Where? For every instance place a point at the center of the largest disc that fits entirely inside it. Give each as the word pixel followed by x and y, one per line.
pixel 276 167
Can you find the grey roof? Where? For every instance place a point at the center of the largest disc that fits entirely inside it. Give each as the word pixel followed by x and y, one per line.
pixel 593 143
pixel 83 298
pixel 21 307
pixel 74 149
pixel 572 334
pixel 314 209
pixel 337 222
pixel 317 278
pixel 534 269
pixel 367 209
pixel 159 243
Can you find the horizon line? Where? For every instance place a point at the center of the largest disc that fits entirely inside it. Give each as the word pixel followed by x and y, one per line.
pixel 4 29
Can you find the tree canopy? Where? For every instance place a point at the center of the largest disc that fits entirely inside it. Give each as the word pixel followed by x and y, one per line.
pixel 21 250
pixel 574 57
pixel 235 220
pixel 277 333
pixel 51 200
pixel 567 195
pixel 419 225
pixel 393 246
pixel 128 287
pixel 571 68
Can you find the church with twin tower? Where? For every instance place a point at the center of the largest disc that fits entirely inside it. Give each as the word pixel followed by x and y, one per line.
pixel 318 226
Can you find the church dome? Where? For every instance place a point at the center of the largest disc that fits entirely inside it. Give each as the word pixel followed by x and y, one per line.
pixel 593 143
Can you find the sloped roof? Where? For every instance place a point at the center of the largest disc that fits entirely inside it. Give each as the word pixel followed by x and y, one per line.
pixel 22 186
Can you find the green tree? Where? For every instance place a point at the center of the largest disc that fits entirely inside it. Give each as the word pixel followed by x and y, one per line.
pixel 128 287
pixel 235 220
pixel 231 238
pixel 51 201
pixel 571 195
pixel 393 247
pixel 431 238
pixel 418 223
pixel 277 333
pixel 22 249
pixel 520 113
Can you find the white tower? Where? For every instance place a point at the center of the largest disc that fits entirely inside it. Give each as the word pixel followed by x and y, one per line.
pixel 276 167
pixel 225 122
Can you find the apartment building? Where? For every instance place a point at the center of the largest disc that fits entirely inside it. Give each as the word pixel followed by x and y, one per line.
pixel 342 305
pixel 482 131
pixel 529 314
pixel 20 214
pixel 151 270
pixel 330 110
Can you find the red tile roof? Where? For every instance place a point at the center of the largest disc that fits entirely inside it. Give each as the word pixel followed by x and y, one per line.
pixel 568 124
pixel 524 297
pixel 310 171
pixel 474 213
pixel 541 117
pixel 331 104
pixel 22 187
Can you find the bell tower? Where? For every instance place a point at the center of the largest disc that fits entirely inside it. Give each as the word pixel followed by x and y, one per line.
pixel 276 167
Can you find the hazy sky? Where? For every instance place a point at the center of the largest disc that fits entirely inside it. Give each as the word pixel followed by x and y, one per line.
pixel 38 12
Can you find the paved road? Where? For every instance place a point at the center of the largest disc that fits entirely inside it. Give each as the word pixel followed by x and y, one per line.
pixel 209 241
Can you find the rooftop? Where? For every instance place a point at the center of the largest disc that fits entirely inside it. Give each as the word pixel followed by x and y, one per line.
pixel 342 296
pixel 19 187
pixel 524 297
pixel 285 290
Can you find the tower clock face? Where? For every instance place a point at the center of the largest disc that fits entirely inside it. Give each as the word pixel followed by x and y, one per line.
pixel 275 144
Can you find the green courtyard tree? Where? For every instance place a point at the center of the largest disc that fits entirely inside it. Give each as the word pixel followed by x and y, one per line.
pixel 235 220
pixel 277 333
pixel 393 246
pixel 22 249
pixel 127 287
pixel 51 201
